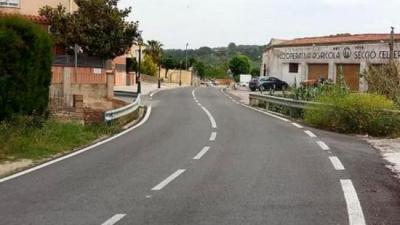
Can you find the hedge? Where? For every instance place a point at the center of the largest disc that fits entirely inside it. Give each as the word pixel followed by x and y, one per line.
pixel 25 68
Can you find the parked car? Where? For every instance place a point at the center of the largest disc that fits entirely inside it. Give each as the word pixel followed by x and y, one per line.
pixel 272 83
pixel 255 83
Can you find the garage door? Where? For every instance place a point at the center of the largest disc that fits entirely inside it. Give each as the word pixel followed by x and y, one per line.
pixel 316 71
pixel 351 73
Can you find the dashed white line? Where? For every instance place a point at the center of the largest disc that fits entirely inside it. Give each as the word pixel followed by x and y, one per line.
pixel 213 136
pixel 168 180
pixel 309 133
pixel 114 219
pixel 337 164
pixel 202 153
pixel 354 210
pixel 212 120
pixel 323 145
pixel 297 125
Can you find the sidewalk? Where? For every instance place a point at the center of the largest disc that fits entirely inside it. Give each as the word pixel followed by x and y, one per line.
pixel 242 93
pixel 147 88
pixel 390 151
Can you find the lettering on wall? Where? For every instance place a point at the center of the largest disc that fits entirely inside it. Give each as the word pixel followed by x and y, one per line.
pixel 342 53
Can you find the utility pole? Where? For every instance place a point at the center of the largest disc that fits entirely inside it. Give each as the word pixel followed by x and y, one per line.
pixel 180 73
pixel 159 75
pixel 186 57
pixel 391 44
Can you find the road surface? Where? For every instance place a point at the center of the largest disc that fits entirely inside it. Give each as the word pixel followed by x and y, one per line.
pixel 201 158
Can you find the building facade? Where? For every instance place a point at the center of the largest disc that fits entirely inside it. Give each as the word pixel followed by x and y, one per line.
pixel 313 58
pixel 31 7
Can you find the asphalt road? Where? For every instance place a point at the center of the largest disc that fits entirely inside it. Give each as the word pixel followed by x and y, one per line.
pixel 176 168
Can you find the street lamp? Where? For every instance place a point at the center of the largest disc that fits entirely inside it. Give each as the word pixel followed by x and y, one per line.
pixel 140 42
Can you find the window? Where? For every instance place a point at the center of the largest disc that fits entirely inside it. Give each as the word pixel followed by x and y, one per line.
pixel 293 67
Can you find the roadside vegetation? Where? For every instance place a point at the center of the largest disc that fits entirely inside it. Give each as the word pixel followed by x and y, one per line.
pixel 35 138
pixel 374 112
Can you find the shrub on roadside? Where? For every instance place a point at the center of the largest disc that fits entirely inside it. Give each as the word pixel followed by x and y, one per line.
pixel 354 113
pixel 25 68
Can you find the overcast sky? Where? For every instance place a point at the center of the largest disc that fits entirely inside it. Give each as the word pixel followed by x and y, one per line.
pixel 217 22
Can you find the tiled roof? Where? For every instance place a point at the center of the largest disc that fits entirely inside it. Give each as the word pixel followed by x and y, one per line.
pixel 33 18
pixel 337 39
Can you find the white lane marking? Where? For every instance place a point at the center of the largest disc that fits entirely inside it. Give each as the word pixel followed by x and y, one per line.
pixel 354 210
pixel 337 164
pixel 114 219
pixel 297 125
pixel 154 92
pixel 193 94
pixel 266 113
pixel 199 104
pixel 168 180
pixel 202 152
pixel 213 136
pixel 146 117
pixel 309 133
pixel 212 120
pixel 323 145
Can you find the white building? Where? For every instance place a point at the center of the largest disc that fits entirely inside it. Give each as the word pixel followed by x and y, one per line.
pixel 323 57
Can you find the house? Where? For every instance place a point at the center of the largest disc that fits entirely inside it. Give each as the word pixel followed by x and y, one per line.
pixel 325 57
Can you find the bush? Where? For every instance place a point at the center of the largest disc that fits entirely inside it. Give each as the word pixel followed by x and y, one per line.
pixel 25 68
pixel 354 113
pixel 148 66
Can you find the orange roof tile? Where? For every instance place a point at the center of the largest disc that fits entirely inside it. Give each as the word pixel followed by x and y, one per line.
pixel 33 18
pixel 337 39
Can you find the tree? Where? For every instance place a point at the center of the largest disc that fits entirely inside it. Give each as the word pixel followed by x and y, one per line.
pixel 255 72
pixel 25 68
pixel 98 27
pixel 239 64
pixel 154 50
pixel 168 63
pixel 148 66
pixel 200 68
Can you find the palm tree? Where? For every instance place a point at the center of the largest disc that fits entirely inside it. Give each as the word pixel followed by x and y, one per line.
pixel 154 50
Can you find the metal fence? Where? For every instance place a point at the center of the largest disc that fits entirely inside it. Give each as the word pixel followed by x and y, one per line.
pixel 123 111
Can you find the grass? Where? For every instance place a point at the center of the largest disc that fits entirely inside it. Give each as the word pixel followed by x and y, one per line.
pixel 27 139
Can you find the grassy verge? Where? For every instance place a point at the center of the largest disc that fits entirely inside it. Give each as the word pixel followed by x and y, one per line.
pixel 27 139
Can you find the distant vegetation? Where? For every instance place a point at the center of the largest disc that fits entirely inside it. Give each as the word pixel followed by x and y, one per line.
pixel 214 62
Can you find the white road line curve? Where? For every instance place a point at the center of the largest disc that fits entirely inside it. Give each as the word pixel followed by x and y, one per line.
pixel 213 136
pixel 354 210
pixel 309 133
pixel 146 117
pixel 202 153
pixel 323 145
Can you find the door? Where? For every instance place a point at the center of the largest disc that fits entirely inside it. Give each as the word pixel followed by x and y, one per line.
pixel 351 74
pixel 317 71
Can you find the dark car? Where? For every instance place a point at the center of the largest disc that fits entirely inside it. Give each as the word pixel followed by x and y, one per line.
pixel 273 83
pixel 255 83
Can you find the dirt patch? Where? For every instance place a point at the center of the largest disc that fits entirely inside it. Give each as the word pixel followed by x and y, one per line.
pixel 10 167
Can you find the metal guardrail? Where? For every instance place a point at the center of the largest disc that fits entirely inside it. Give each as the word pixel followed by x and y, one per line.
pixel 125 94
pixel 123 111
pixel 297 104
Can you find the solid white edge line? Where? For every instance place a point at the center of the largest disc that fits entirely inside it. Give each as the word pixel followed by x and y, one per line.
pixel 210 117
pixel 297 125
pixel 309 133
pixel 354 210
pixel 202 153
pixel 323 145
pixel 266 113
pixel 154 92
pixel 337 164
pixel 213 136
pixel 114 219
pixel 168 180
pixel 147 116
